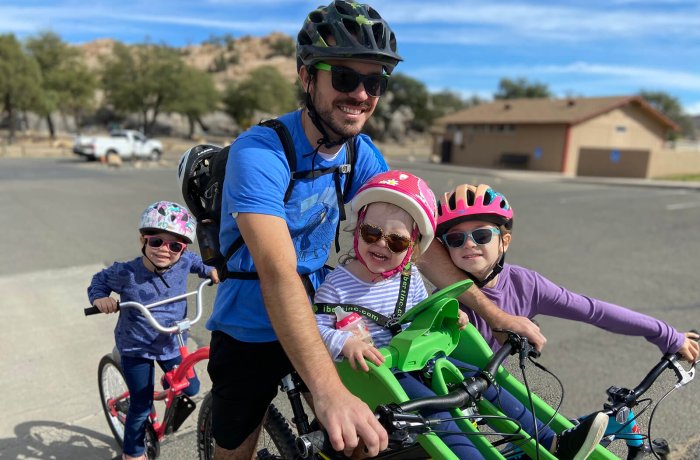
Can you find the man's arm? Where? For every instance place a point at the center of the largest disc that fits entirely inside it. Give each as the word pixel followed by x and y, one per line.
pixel 344 416
pixel 438 268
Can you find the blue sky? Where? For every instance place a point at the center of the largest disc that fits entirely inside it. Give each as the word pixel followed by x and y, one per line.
pixel 579 48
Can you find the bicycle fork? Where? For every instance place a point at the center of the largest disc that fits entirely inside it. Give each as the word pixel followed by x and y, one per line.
pixel 629 430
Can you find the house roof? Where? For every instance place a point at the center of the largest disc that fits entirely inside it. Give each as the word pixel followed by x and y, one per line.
pixel 570 111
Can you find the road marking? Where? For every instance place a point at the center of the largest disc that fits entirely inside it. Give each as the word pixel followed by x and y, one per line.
pixel 679 206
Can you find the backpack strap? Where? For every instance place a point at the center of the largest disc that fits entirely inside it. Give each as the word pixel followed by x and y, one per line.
pixel 388 322
pixel 290 154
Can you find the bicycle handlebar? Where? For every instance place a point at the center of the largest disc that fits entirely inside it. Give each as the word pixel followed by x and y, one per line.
pixel 622 397
pixel 180 326
pixel 394 417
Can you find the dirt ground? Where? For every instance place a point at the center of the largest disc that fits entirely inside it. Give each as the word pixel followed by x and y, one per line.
pixel 36 146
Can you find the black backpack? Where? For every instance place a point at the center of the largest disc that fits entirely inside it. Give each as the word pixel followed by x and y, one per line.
pixel 201 172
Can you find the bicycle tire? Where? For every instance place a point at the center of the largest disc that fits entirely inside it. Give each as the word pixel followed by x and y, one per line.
pixel 280 435
pixel 205 438
pixel 111 383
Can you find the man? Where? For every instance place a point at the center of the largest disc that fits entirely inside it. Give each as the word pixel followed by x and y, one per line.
pixel 262 322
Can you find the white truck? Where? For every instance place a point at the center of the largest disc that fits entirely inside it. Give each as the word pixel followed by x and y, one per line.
pixel 126 144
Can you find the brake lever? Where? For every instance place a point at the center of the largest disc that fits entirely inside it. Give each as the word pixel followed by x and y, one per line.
pixel 684 377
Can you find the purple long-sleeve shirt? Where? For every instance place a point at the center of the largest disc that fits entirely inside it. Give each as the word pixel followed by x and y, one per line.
pixel 524 292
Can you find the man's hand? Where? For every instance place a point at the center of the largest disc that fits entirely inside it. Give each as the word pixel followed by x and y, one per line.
pixel 356 350
pixel 347 420
pixel 106 304
pixel 520 325
pixel 689 349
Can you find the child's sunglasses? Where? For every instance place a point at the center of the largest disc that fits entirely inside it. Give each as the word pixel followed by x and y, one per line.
pixel 346 80
pixel 396 243
pixel 480 236
pixel 173 246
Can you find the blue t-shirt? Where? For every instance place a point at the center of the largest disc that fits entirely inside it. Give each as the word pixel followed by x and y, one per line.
pixel 133 282
pixel 257 177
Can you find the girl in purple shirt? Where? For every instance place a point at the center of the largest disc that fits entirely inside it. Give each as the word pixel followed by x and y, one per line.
pixel 475 225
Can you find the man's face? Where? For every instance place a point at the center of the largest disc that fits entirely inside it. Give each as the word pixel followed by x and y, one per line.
pixel 345 113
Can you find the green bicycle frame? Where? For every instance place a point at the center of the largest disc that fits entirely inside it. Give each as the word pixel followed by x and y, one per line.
pixel 434 331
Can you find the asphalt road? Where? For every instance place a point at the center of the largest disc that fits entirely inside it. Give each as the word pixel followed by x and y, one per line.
pixel 63 220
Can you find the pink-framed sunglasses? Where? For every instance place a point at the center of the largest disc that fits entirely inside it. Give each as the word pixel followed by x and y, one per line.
pixel 173 246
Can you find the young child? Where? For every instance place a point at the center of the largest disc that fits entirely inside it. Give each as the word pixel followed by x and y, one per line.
pixel 395 217
pixel 475 225
pixel 161 271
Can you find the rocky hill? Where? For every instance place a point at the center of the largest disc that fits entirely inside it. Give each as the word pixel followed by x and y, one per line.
pixel 226 59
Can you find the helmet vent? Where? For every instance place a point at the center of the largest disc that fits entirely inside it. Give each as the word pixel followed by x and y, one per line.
pixel 325 31
pixel 303 38
pixel 316 16
pixel 378 32
pixel 372 13
pixel 392 42
pixel 345 8
pixel 352 27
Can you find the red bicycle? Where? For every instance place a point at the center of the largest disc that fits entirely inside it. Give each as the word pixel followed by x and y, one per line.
pixel 114 393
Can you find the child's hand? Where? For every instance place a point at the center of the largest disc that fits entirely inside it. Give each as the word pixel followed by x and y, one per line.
pixel 356 350
pixel 689 349
pixel 214 275
pixel 463 320
pixel 106 304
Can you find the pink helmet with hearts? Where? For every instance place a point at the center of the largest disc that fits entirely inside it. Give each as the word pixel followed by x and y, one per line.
pixel 170 217
pixel 406 191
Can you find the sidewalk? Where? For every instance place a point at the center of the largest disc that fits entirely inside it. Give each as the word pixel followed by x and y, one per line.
pixel 48 372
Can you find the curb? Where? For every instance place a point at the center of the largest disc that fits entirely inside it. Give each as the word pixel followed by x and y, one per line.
pixel 542 176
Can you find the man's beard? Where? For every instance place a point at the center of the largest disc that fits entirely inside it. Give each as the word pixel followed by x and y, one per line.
pixel 339 128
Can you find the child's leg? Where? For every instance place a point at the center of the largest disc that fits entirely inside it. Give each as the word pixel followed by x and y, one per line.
pixel 512 408
pixel 139 375
pixel 168 364
pixel 458 442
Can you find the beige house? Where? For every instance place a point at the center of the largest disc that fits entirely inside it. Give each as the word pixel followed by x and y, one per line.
pixel 607 136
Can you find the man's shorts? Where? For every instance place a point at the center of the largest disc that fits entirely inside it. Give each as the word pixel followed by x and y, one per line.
pixel 245 377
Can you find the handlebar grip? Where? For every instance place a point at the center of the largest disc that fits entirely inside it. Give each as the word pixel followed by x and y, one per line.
pixel 92 311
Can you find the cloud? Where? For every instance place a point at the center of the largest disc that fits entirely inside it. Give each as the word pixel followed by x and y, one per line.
pixel 591 22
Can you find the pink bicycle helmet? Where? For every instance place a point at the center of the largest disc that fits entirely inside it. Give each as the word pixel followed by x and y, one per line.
pixel 406 191
pixel 166 216
pixel 473 202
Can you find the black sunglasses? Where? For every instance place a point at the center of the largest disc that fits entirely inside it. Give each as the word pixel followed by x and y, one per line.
pixel 396 243
pixel 480 236
pixel 173 246
pixel 346 80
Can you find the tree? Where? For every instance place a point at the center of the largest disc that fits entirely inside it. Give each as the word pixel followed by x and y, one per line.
pixel 444 102
pixel 265 90
pixel 672 108
pixel 198 96
pixel 143 78
pixel 411 93
pixel 521 88
pixel 20 80
pixel 67 84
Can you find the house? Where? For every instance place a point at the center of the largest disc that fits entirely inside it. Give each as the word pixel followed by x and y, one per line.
pixel 606 136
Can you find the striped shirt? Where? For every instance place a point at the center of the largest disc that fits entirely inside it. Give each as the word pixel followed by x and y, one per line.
pixel 341 286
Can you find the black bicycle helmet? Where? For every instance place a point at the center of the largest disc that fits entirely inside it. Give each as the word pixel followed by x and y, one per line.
pixel 347 30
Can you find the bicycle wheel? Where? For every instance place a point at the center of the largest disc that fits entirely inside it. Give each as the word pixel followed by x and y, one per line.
pixel 205 439
pixel 277 441
pixel 112 385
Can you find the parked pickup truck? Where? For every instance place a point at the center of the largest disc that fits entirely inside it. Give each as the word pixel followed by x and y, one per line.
pixel 127 144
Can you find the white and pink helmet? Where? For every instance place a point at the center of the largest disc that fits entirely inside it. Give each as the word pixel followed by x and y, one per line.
pixel 473 202
pixel 166 216
pixel 406 191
